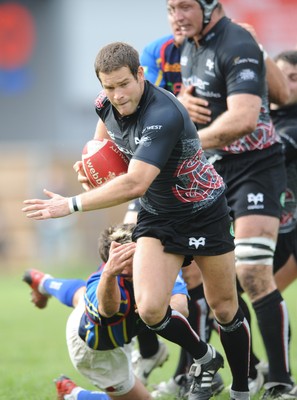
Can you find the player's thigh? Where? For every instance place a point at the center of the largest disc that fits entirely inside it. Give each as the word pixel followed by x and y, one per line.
pixel 256 226
pixel 154 273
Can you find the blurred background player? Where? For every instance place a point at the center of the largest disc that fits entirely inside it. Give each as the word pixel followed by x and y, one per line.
pixel 161 60
pixel 223 67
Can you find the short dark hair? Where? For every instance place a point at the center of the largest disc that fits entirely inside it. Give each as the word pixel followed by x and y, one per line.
pixel 289 56
pixel 115 56
pixel 121 233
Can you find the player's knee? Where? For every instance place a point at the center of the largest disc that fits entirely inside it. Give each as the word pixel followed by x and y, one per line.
pixel 224 310
pixel 223 304
pixel 254 259
pixel 150 313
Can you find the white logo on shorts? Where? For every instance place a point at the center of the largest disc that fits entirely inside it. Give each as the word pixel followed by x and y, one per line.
pixel 196 242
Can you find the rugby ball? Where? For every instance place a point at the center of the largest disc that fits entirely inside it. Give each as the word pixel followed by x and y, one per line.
pixel 102 161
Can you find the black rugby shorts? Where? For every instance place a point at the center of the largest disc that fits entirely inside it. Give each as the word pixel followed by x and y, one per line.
pixel 206 233
pixel 256 181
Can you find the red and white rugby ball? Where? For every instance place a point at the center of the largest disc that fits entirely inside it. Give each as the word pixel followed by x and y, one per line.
pixel 102 161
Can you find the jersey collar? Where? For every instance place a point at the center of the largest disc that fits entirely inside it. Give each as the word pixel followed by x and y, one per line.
pixel 212 34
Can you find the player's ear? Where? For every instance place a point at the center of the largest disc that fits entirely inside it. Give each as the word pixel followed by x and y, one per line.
pixel 140 73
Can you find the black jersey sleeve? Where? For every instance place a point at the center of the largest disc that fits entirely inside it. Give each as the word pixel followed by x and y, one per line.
pixel 241 64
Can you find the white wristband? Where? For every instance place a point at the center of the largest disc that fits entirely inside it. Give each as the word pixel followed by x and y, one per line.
pixel 74 204
pixel 70 205
pixel 265 54
pixel 78 203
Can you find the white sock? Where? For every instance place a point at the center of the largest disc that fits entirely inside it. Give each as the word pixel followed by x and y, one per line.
pixel 73 395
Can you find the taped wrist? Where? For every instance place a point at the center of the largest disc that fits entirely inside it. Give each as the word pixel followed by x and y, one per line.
pixel 74 204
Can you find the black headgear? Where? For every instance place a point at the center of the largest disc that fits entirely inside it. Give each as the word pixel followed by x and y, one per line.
pixel 207 7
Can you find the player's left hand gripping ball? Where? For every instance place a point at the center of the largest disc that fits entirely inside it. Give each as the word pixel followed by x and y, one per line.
pixel 102 161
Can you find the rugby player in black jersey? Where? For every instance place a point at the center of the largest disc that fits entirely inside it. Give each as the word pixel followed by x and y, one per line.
pixel 183 215
pixel 223 74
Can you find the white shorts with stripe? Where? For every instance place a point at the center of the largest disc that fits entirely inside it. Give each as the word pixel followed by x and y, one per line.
pixel 108 370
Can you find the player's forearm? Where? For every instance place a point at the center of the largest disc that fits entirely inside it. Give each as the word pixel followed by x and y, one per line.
pixel 239 120
pixel 108 295
pixel 117 191
pixel 220 134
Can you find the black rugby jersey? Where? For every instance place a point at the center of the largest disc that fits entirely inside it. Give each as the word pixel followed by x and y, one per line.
pixel 229 61
pixel 161 133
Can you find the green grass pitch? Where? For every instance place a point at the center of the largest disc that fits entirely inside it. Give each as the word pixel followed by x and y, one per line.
pixel 34 352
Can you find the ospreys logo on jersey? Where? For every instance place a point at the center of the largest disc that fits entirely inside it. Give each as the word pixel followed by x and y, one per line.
pixel 209 67
pixel 210 64
pixel 145 141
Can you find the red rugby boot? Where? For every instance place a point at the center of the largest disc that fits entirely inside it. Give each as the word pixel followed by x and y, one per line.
pixel 34 279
